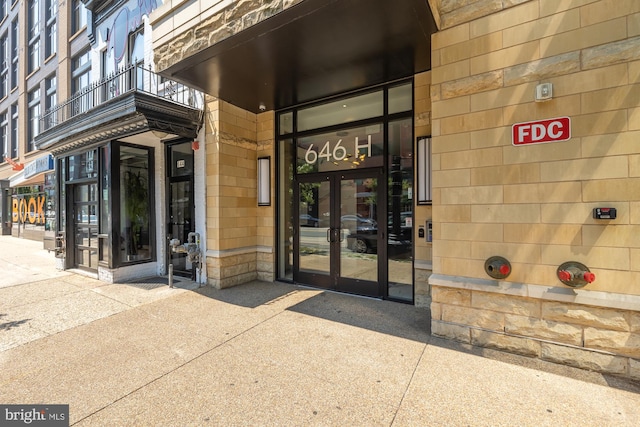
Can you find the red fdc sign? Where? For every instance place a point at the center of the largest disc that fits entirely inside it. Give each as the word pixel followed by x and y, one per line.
pixel 550 130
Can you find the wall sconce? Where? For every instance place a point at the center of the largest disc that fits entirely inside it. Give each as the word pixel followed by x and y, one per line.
pixel 264 181
pixel 544 92
pixel 424 170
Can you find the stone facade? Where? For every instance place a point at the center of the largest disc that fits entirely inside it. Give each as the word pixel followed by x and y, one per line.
pixel 533 204
pixel 422 213
pixel 530 204
pixel 588 337
pixel 203 23
pixel 239 233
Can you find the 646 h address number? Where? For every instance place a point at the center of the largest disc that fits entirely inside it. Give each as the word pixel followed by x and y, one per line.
pixel 338 152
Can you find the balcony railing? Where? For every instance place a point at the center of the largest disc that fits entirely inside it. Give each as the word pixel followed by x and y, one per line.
pixel 120 84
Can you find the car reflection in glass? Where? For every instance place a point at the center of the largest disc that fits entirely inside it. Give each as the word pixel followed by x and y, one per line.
pixel 307 220
pixel 363 234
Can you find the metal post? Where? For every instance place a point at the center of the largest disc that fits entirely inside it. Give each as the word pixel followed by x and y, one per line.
pixel 171 275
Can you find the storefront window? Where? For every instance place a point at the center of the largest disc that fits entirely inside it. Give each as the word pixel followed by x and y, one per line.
pixel 286 123
pixel 83 166
pixel 342 111
pixel 285 210
pixel 105 208
pixel 135 206
pixel 50 206
pixel 354 148
pixel 28 212
pixel 105 160
pixel 400 209
pixel 181 160
pixel 62 206
pixel 400 98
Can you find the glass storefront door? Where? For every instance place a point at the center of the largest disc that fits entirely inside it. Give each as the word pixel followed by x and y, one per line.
pixel 85 226
pixel 345 193
pixel 180 223
pixel 337 232
pixel 180 213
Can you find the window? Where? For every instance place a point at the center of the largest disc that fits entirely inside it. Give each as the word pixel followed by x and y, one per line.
pixel 14 53
pixel 342 111
pixel 14 131
pixel 51 30
pixel 50 100
pixel 4 135
pixel 108 64
pixel 33 25
pixel 52 9
pixel 3 9
pixel 34 55
pixel 34 18
pixel 80 72
pixel 136 47
pixel 4 65
pixel 135 204
pixel 50 89
pixel 136 55
pixel 79 18
pixel 34 118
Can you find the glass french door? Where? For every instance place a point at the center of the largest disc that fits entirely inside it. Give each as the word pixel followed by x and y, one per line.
pixel 339 245
pixel 85 226
pixel 180 222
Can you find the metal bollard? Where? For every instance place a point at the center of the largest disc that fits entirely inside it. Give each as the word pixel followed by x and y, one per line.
pixel 171 275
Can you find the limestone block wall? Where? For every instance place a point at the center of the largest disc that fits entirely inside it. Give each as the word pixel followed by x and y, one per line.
pixel 422 213
pixel 239 233
pixel 265 221
pixel 588 337
pixel 533 204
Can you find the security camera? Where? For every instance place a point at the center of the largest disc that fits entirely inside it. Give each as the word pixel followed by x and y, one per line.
pixel 262 107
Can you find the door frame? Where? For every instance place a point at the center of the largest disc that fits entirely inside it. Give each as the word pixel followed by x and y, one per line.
pixel 171 180
pixel 72 244
pixel 175 180
pixel 334 279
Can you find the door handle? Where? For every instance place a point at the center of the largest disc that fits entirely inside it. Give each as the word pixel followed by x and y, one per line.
pixel 340 236
pixel 333 235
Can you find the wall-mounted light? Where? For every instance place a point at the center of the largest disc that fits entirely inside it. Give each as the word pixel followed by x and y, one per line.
pixel 264 181
pixel 544 92
pixel 159 134
pixel 424 170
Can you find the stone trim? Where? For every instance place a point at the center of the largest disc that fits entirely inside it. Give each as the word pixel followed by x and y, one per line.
pixel 233 267
pixel 572 333
pixel 566 354
pixel 456 12
pixel 238 251
pixel 213 24
pixel 551 293
pixel 422 265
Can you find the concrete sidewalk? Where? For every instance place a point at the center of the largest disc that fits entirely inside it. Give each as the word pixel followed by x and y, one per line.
pixel 265 354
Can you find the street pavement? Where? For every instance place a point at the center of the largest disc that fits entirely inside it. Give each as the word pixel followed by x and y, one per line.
pixel 265 354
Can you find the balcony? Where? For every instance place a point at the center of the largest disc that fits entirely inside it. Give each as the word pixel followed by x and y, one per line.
pixel 132 101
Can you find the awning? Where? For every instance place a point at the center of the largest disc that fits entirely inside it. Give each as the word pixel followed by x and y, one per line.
pixel 314 49
pixel 33 172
